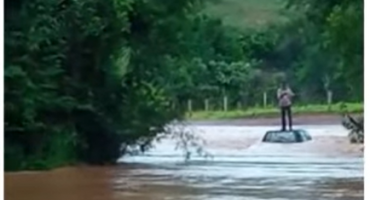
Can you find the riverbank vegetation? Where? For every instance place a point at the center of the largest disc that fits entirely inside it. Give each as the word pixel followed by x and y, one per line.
pixel 84 79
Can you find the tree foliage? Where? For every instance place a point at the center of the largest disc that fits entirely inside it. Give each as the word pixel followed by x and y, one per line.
pixel 337 27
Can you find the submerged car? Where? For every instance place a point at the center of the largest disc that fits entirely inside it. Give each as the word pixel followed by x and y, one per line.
pixel 293 136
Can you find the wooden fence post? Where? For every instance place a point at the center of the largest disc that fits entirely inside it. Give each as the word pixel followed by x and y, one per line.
pixel 329 99
pixel 190 106
pixel 225 103
pixel 206 104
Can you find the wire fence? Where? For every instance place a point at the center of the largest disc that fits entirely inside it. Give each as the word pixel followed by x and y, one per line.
pixel 265 100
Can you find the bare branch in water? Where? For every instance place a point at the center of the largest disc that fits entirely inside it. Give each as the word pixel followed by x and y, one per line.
pixel 355 126
pixel 187 141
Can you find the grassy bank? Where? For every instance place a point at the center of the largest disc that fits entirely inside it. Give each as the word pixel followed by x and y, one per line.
pixel 273 111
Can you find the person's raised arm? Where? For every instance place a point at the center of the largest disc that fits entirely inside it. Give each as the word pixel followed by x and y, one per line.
pixel 290 92
pixel 279 93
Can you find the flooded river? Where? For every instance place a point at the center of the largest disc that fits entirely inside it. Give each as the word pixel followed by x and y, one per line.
pixel 241 167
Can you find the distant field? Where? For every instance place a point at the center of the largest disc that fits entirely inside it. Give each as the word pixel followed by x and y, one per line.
pixel 248 13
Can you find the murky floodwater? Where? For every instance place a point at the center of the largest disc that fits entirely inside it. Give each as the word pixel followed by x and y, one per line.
pixel 241 168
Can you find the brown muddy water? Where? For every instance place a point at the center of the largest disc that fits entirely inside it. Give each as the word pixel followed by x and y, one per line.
pixel 242 167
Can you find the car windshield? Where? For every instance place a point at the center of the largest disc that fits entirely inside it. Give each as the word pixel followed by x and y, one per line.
pixel 281 137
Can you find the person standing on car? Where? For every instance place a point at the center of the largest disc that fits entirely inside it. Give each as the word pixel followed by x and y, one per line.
pixel 285 95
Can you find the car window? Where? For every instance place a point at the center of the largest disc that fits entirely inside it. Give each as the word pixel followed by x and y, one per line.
pixel 282 137
pixel 287 137
pixel 306 135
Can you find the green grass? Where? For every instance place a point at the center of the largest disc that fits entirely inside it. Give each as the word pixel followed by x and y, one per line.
pixel 271 111
pixel 248 13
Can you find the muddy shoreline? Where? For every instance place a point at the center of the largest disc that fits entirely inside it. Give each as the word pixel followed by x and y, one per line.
pixel 299 119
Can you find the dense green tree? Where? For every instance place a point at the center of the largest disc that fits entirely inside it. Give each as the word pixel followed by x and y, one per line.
pixel 79 78
pixel 337 41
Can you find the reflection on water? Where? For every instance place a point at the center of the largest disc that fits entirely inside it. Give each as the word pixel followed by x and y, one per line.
pixel 241 168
